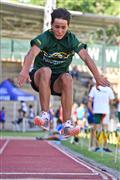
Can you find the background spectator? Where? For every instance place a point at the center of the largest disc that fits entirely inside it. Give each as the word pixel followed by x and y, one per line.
pixel 24 108
pixel 81 115
pixel 2 117
pixel 75 73
pixel 99 105
pixel 19 119
pixel 118 111
pixel 31 115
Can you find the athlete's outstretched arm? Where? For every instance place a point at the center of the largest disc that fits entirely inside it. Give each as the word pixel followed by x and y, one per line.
pixel 28 60
pixel 100 79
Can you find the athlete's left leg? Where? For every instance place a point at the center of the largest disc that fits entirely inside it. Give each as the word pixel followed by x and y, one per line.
pixel 64 85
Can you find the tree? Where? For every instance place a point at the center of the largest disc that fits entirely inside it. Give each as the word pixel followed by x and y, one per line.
pixel 108 7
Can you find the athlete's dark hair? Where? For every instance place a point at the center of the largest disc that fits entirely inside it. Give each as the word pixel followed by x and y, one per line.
pixel 61 13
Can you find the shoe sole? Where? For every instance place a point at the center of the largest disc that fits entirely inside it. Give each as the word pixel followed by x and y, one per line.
pixel 38 123
pixel 71 132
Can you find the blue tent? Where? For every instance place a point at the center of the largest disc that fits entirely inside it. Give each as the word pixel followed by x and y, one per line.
pixel 10 92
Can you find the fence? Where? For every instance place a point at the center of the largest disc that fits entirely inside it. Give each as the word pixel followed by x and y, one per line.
pixel 104 56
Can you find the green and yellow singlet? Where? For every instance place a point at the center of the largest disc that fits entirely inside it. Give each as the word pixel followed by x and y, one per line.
pixel 56 54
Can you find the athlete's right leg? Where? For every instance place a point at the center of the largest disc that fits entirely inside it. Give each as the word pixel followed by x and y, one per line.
pixel 42 82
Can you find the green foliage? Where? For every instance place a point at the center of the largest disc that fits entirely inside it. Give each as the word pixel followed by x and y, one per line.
pixel 38 2
pixel 110 7
pixel 83 6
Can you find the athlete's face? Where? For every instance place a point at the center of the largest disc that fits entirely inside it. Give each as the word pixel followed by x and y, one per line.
pixel 59 27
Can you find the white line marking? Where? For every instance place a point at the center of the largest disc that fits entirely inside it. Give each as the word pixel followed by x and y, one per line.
pixel 4 146
pixel 78 161
pixel 71 157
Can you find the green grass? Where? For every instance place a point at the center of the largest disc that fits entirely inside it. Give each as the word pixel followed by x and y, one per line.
pixel 21 134
pixel 107 159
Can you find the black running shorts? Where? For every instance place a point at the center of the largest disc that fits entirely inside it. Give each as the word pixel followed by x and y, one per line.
pixel 53 79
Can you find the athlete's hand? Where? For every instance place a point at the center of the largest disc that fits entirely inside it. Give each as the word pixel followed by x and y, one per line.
pixel 23 78
pixel 102 81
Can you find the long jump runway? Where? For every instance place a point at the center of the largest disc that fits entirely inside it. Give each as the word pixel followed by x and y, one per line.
pixel 31 159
